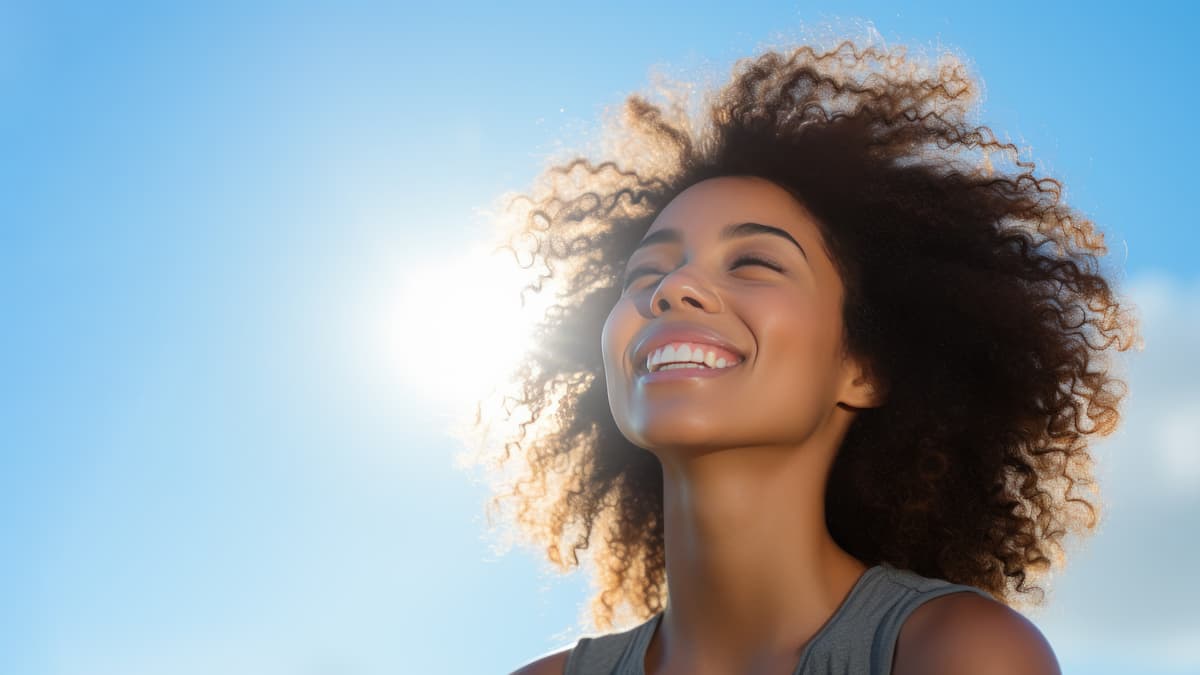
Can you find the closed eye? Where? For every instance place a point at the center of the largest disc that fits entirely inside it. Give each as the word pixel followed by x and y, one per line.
pixel 743 260
pixel 760 261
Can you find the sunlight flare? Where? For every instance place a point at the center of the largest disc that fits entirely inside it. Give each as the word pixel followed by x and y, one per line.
pixel 457 328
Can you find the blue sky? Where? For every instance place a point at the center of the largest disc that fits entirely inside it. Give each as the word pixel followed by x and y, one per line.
pixel 225 229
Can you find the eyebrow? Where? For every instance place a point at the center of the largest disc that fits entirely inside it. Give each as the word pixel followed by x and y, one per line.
pixel 734 231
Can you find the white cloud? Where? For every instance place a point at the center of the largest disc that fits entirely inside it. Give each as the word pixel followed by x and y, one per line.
pixel 1130 590
pixel 1178 440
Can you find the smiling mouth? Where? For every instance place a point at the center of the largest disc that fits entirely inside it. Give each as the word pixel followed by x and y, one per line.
pixel 681 372
pixel 684 355
pixel 642 370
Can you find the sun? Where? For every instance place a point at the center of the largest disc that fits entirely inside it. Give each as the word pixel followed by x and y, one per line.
pixel 456 328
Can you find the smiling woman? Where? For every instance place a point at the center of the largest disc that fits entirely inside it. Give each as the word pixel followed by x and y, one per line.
pixel 817 389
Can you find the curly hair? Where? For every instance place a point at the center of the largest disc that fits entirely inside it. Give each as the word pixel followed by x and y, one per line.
pixel 972 291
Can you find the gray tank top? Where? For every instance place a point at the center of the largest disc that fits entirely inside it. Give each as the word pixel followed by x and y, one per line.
pixel 859 639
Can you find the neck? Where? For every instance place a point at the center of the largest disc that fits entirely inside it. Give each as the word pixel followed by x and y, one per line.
pixel 752 571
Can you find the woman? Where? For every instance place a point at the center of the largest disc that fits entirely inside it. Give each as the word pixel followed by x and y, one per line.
pixel 844 377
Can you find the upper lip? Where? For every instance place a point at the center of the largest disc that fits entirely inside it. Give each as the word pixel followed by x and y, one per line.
pixel 662 334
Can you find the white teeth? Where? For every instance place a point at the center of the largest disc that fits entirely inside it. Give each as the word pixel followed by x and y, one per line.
pixel 671 366
pixel 684 355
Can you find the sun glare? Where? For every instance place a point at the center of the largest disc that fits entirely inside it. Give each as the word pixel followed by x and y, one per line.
pixel 457 328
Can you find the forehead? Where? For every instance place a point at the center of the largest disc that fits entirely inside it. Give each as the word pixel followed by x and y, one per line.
pixel 713 203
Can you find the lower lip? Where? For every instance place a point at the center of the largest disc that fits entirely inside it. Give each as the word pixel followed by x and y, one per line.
pixel 683 374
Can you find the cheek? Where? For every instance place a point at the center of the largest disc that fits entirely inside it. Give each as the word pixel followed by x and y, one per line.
pixel 618 330
pixel 796 337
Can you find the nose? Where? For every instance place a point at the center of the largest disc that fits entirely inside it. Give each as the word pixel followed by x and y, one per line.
pixel 680 287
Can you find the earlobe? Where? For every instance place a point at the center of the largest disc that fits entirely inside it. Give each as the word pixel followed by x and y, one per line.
pixel 868 395
pixel 865 392
pixel 877 394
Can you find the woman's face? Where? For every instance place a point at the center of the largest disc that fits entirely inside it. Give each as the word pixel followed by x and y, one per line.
pixel 782 326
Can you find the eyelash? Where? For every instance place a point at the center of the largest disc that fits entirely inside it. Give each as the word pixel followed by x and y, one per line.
pixel 736 263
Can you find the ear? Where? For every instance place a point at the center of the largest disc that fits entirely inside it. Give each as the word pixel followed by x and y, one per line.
pixel 860 389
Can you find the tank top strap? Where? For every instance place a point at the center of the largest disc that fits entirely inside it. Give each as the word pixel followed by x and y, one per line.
pixel 861 637
pixel 613 653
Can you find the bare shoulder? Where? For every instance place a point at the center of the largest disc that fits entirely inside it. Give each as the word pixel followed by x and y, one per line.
pixel 968 633
pixel 550 664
